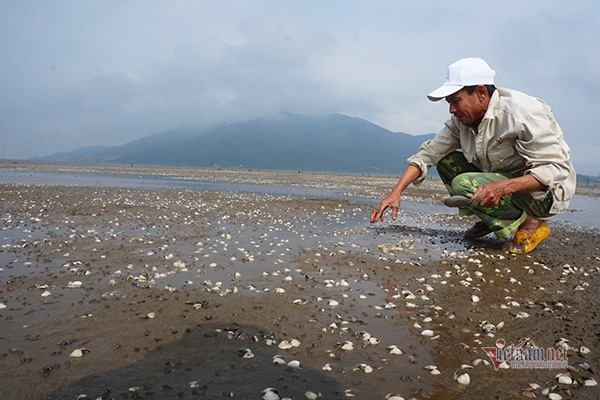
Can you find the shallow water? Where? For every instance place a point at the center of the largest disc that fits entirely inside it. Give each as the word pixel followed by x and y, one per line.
pixel 583 211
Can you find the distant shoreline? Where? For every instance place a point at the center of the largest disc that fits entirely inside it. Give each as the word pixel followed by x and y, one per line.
pixel 378 185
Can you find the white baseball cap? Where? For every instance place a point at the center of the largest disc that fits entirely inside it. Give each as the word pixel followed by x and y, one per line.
pixel 465 72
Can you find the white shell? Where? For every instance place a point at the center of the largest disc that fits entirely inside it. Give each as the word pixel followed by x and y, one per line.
pixel 554 396
pixel 76 353
pixel 374 341
pixel 247 353
pixel 366 368
pixel 564 378
pixel 393 396
pixel 463 379
pixel 348 346
pixel 590 382
pixel 294 364
pixel 427 332
pixel 270 394
pixel 285 345
pixel 310 395
pixel 278 360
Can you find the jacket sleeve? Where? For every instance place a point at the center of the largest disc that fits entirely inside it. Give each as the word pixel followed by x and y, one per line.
pixel 541 144
pixel 432 151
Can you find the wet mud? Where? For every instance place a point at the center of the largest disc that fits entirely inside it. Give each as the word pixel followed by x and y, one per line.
pixel 119 293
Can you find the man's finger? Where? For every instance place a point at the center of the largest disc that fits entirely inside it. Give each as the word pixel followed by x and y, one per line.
pixel 376 215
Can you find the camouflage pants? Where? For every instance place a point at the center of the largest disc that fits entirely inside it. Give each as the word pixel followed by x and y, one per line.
pixel 462 179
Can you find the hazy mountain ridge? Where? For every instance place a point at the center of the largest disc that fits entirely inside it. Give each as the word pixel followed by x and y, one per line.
pixel 335 143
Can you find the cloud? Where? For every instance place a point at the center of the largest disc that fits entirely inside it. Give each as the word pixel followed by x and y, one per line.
pixel 109 72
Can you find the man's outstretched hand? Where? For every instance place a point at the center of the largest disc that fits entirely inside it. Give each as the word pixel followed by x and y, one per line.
pixel 392 202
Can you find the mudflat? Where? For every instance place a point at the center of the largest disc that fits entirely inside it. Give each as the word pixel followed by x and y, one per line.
pixel 119 293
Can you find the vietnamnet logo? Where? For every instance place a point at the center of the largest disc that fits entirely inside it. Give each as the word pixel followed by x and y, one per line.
pixel 527 356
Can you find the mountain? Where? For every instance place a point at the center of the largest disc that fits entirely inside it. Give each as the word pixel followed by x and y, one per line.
pixel 113 154
pixel 334 143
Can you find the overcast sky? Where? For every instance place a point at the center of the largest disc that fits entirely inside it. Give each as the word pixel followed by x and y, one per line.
pixel 79 73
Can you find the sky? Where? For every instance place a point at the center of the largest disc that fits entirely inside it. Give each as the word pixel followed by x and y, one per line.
pixel 81 73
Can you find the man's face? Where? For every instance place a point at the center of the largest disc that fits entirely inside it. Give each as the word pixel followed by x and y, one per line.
pixel 469 109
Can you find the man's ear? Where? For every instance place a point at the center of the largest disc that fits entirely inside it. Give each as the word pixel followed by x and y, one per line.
pixel 481 91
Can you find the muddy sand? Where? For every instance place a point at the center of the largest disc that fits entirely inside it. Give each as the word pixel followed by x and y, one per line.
pixel 115 293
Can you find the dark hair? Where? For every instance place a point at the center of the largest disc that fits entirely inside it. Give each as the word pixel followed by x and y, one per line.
pixel 490 89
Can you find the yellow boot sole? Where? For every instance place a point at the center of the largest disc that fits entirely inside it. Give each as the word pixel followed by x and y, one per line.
pixel 523 243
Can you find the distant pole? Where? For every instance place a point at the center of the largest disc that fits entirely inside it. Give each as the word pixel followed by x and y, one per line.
pixel 3 151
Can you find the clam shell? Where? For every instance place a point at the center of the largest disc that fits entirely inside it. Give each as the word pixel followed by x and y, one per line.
pixel 463 379
pixel 590 382
pixel 76 353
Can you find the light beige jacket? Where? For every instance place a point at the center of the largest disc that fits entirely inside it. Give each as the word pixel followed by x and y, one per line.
pixel 518 135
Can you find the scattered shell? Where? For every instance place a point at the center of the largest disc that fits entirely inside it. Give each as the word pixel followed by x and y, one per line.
pixel 284 345
pixel 294 364
pixel 270 394
pixel 394 350
pixel 433 369
pixel 311 395
pixel 554 396
pixel 74 285
pixel 534 386
pixel 347 346
pixel 2 306
pixel 584 350
pixel 463 379
pixel 393 396
pixel 78 352
pixel 475 298
pixel 46 293
pixel 564 378
pixel 289 344
pixel 333 303
pixel 278 360
pixel 590 382
pixel 246 353
pixel 367 369
pixel 427 332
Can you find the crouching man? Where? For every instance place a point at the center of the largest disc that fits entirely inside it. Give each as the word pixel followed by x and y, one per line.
pixel 513 167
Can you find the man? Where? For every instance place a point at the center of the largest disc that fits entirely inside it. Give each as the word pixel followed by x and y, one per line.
pixel 514 167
